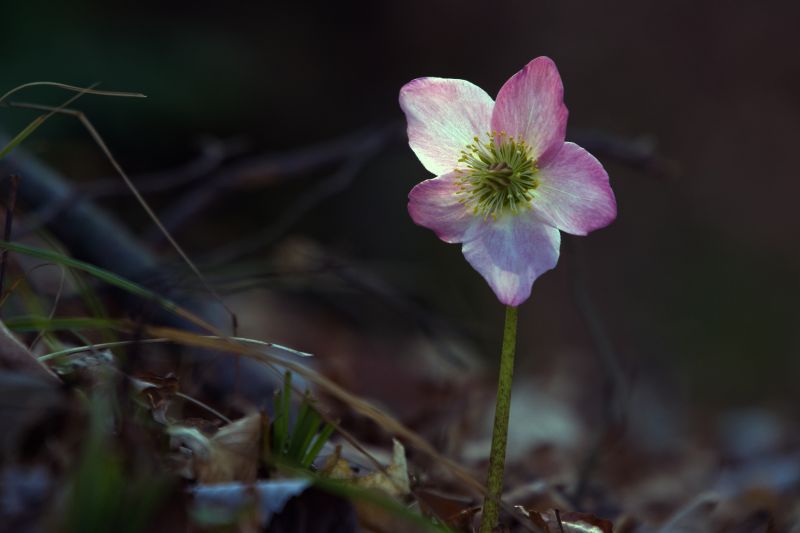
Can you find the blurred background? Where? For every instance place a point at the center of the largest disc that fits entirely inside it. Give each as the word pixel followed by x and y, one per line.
pixel 692 106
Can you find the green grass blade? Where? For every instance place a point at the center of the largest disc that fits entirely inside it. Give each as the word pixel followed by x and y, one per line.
pixel 277 426
pixel 377 498
pixel 87 293
pixel 285 412
pixel 99 273
pixel 312 453
pixel 294 437
pixel 43 323
pixel 305 427
pixel 309 432
pixel 21 136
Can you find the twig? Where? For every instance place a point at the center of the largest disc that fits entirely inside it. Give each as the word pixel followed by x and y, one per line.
pixel 205 406
pixel 558 519
pixel 10 206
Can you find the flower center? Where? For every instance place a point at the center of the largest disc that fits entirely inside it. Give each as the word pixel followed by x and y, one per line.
pixel 500 175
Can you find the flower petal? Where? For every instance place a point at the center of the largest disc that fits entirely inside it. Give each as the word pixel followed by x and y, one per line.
pixel 573 193
pixel 435 205
pixel 511 253
pixel 531 105
pixel 443 116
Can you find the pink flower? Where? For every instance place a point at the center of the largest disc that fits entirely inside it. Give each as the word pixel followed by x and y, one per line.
pixel 507 182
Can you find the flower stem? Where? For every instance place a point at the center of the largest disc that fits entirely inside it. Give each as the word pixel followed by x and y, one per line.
pixel 497 459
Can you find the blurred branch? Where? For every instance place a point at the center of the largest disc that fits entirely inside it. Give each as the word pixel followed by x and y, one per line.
pixel 212 155
pixel 359 150
pixel 89 232
pixel 259 170
pixel 95 236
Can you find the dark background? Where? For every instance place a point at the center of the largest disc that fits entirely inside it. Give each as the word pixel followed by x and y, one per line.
pixel 695 283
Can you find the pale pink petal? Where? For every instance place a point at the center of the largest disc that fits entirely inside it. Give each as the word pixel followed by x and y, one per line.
pixel 511 253
pixel 435 205
pixel 573 193
pixel 443 117
pixel 531 105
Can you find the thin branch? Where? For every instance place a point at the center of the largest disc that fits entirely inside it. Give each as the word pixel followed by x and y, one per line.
pixel 257 170
pixel 213 154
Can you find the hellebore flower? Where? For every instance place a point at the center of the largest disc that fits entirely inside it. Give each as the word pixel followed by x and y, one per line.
pixel 507 181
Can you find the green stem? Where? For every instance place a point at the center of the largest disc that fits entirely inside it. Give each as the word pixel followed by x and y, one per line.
pixel 497 459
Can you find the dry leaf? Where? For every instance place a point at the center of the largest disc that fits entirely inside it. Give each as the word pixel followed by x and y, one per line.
pixel 394 481
pixel 230 455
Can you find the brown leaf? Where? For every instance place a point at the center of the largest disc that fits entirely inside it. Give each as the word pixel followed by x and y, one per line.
pixel 394 480
pixel 230 455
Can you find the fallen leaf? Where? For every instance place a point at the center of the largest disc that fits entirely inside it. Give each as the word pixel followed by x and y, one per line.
pixel 229 455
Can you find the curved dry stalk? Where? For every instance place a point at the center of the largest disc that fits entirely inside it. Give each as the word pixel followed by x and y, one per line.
pixel 38 121
pixel 115 344
pixel 82 90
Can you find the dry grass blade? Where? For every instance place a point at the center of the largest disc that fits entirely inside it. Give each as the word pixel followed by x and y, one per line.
pixel 98 139
pixel 82 90
pixel 38 121
pixel 115 344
